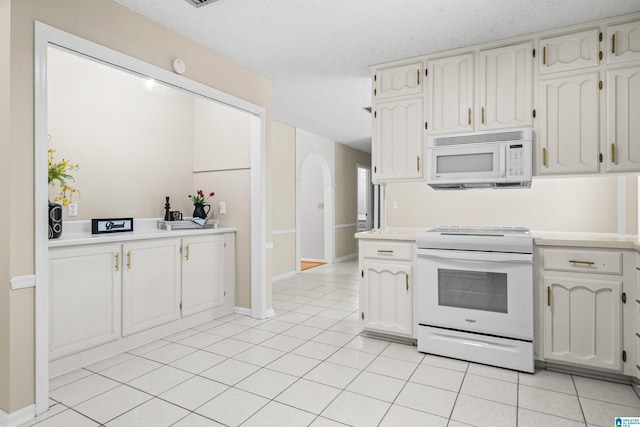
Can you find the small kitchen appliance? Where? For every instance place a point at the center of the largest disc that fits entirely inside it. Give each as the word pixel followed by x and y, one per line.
pixel 475 295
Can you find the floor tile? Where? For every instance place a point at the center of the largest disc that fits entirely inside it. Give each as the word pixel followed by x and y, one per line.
pixel 160 380
pixel 445 362
pixel 180 335
pixel 548 380
pixel 229 347
pixel 232 407
pixel 130 369
pixel 198 361
pixel 332 374
pixel 433 400
pixel 356 410
pixel 266 383
pixel 396 368
pixel 316 350
pixel 169 353
pixel 194 392
pixel 303 332
pixel 275 326
pixel 248 321
pixel 156 413
pixel 527 418
pixel 108 363
pixel 70 377
pixel 493 372
pixel 407 417
pixel 200 340
pixel 308 395
pixel 67 418
pixel 259 355
pixel 230 371
pixel 139 351
pixel 550 402
pixel 332 313
pixel 208 325
pixel 275 414
pixel 483 413
pixel 377 386
pixel 438 377
pixel 620 394
pixel 351 327
pixel 319 322
pixel 368 345
pixel 195 420
pixel 409 353
pixel 490 389
pixel 83 389
pixel 293 364
pixel 254 336
pixel 333 338
pixel 112 403
pixel 325 422
pixel 600 413
pixel 292 317
pixel 310 310
pixel 283 342
pixel 351 358
pixel 227 330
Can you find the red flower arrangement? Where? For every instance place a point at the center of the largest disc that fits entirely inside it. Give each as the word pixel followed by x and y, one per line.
pixel 199 197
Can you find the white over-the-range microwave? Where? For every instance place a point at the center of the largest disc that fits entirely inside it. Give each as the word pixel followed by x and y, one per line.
pixel 495 159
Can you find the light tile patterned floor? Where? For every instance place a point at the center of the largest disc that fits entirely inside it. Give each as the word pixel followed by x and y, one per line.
pixel 308 366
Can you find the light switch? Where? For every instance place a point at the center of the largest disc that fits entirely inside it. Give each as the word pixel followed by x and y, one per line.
pixel 223 207
pixel 395 205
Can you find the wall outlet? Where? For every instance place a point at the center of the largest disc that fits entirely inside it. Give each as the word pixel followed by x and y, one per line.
pixel 223 207
pixel 72 209
pixel 395 205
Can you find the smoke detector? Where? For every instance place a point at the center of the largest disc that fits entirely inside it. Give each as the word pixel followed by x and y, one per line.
pixel 200 3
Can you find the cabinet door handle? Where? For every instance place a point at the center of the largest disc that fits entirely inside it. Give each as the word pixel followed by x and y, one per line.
pixel 406 276
pixel 548 296
pixel 613 43
pixel 544 55
pixel 638 268
pixel 613 153
pixel 129 260
pixel 418 75
pixel 638 335
pixel 418 163
pixel 638 301
pixel 469 116
pixel 186 252
pixel 544 156
pixel 482 115
pixel 574 261
pixel 385 251
pixel 118 261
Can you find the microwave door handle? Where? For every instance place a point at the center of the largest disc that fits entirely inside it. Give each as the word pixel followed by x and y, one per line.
pixel 503 161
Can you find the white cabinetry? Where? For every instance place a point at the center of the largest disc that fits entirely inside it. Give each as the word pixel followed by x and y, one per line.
pixel 623 118
pixel 84 298
pixel 396 145
pixel 569 51
pixel 150 284
pixel 202 273
pixel 506 86
pixel 623 42
pixel 386 289
pixel 582 307
pixel 569 132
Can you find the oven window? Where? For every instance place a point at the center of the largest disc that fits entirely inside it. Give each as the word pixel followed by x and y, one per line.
pixel 480 162
pixel 475 290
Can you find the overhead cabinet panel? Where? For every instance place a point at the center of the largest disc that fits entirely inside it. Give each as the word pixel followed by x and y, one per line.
pixel 569 51
pixel 450 94
pixel 568 134
pixel 623 42
pixel 623 119
pixel 506 84
pixel 398 81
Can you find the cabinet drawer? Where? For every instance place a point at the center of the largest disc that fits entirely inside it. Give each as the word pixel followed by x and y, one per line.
pixel 584 261
pixel 387 250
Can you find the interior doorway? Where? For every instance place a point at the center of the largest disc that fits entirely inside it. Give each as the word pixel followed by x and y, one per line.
pixel 365 198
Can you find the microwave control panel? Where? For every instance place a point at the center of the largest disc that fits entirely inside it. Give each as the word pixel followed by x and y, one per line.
pixel 516 159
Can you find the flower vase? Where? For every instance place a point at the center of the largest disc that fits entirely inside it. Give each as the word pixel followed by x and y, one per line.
pixel 199 210
pixel 55 220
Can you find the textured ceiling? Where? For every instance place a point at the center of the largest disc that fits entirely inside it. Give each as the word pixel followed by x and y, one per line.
pixel 317 53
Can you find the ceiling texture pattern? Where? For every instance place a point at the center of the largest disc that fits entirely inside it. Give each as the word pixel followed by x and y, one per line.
pixel 317 53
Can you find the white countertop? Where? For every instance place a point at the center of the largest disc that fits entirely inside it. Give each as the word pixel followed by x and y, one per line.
pixel 79 233
pixel 540 238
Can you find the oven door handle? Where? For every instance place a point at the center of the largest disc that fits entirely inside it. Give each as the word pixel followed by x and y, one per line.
pixel 475 256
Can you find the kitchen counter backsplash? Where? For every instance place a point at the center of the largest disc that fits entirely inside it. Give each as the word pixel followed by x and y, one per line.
pixel 540 238
pixel 79 233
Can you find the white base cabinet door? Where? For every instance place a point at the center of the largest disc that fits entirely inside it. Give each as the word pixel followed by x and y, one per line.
pixel 150 284
pixel 387 303
pixel 84 298
pixel 202 273
pixel 583 322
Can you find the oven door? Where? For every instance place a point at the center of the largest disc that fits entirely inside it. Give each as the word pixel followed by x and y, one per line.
pixel 483 292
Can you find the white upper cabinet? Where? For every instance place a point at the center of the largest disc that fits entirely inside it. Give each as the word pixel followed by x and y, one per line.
pixel 450 94
pixel 623 119
pixel 568 133
pixel 506 86
pixel 396 147
pixel 623 42
pixel 398 81
pixel 569 51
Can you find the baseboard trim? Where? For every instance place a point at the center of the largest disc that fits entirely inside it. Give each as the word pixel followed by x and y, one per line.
pixel 20 282
pixel 242 310
pixel 18 417
pixel 284 275
pixel 346 257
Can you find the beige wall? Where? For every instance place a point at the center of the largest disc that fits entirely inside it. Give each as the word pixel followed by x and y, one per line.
pixel 552 204
pixel 283 197
pixel 346 205
pixel 109 24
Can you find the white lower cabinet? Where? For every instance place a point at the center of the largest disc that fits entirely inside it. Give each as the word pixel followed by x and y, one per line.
pixel 583 321
pixel 150 284
pixel 202 273
pixel 84 298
